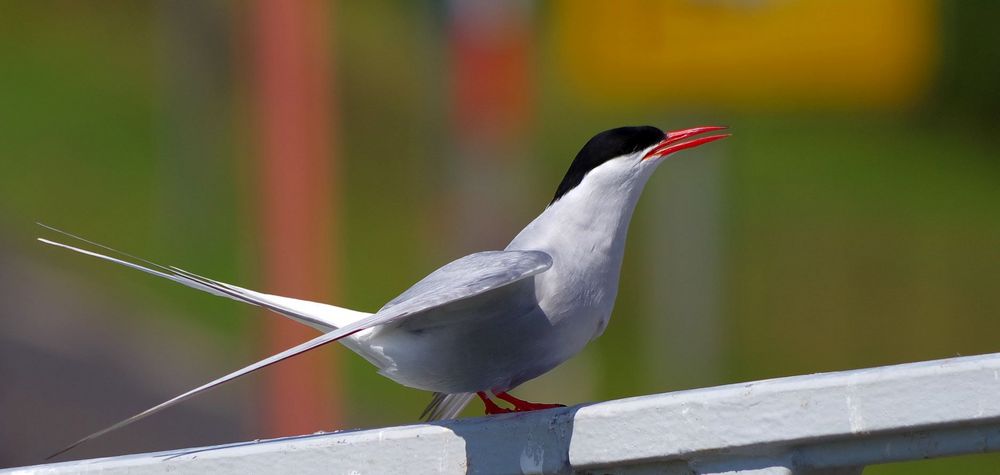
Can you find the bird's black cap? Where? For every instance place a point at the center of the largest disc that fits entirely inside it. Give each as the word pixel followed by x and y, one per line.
pixel 605 146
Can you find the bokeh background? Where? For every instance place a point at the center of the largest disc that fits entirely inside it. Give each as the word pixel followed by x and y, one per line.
pixel 339 151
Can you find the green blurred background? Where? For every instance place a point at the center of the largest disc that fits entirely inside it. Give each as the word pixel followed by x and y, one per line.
pixel 852 220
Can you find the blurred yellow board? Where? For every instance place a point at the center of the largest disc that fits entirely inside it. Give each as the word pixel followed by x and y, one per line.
pixel 785 53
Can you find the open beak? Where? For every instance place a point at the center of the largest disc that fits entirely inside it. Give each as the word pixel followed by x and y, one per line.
pixel 673 142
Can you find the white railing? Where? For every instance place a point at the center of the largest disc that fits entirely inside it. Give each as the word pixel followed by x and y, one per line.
pixel 833 423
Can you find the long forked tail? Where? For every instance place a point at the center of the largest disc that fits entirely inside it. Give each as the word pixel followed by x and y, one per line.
pixel 320 316
pixel 337 323
pixel 317 342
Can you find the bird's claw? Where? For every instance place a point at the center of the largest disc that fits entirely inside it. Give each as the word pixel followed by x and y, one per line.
pixel 520 405
pixel 492 407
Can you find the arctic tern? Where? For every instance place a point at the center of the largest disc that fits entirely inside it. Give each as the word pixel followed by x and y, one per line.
pixel 487 322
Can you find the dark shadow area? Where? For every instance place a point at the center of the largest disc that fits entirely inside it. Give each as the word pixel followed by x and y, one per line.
pixel 544 438
pixel 66 374
pixel 43 412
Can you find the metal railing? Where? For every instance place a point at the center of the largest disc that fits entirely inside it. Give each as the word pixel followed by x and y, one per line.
pixel 832 423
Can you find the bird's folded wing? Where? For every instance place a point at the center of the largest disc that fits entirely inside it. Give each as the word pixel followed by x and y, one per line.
pixel 461 279
pixel 320 316
pixel 468 277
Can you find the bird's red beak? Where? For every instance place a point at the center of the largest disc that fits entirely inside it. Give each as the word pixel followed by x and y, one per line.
pixel 673 142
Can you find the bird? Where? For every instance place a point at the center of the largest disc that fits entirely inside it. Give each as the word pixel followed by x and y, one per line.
pixel 487 322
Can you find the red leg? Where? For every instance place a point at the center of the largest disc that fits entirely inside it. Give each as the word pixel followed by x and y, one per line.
pixel 491 407
pixel 522 406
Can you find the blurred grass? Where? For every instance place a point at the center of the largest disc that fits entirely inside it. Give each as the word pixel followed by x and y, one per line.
pixel 77 123
pixel 985 464
pixel 81 150
pixel 863 242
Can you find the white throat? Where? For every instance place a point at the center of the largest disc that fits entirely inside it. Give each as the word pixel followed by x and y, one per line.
pixel 593 216
pixel 584 231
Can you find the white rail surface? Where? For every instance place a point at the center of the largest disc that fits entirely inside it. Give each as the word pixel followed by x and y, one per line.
pixel 832 423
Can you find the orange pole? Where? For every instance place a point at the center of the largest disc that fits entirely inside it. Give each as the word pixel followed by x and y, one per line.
pixel 493 92
pixel 294 100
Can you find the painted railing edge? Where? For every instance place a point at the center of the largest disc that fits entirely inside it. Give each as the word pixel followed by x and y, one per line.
pixel 822 423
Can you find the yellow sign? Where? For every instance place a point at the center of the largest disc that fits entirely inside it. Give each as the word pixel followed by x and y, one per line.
pixel 747 52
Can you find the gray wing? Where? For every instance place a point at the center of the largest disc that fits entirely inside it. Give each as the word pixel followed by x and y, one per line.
pixel 469 276
pixel 464 278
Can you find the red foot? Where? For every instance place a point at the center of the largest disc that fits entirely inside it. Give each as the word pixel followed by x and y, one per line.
pixel 491 407
pixel 523 406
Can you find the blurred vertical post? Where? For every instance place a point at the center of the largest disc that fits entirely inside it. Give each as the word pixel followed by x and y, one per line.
pixel 684 243
pixel 491 105
pixel 294 104
pixel 194 131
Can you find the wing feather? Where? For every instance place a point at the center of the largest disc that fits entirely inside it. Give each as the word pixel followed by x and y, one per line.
pixel 468 277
